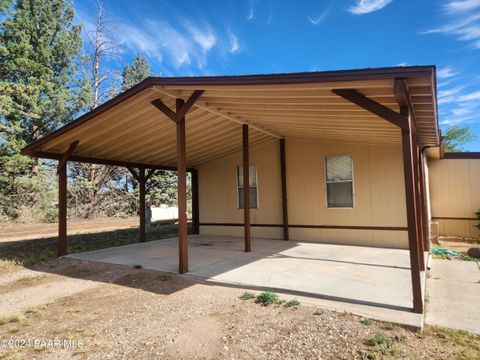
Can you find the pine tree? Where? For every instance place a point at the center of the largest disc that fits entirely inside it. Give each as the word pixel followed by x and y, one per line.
pixel 135 73
pixel 38 46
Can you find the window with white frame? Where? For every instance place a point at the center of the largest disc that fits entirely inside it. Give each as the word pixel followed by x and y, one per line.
pixel 339 181
pixel 253 187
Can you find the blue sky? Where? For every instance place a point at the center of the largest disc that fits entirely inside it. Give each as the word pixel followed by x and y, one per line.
pixel 189 37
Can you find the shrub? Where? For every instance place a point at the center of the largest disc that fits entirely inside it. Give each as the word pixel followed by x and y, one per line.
pixel 293 302
pixel 367 321
pixel 268 298
pixel 247 295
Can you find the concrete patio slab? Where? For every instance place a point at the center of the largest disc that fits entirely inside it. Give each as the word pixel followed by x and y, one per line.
pixel 454 295
pixel 372 282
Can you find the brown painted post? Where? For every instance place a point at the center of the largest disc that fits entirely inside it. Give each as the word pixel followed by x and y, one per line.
pixel 418 207
pixel 141 185
pixel 283 174
pixel 246 189
pixel 182 192
pixel 410 207
pixel 62 210
pixel 195 205
pixel 426 245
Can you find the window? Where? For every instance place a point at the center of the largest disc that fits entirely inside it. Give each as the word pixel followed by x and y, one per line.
pixel 253 187
pixel 339 179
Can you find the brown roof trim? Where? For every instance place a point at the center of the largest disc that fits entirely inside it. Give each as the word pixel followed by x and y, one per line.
pixel 462 155
pixel 263 79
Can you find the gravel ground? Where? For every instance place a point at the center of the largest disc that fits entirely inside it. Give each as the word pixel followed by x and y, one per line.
pixel 143 314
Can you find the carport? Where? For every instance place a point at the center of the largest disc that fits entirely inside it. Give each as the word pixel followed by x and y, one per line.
pixel 181 123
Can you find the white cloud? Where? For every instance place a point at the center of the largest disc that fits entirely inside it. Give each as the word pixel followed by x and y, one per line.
pixel 469 97
pixel 251 11
pixel 203 37
pixel 462 5
pixel 463 21
pixel 234 46
pixel 319 18
pixel 368 6
pixel 445 73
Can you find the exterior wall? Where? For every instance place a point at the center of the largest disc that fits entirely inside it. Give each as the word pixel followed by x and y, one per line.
pixel 378 184
pixel 455 193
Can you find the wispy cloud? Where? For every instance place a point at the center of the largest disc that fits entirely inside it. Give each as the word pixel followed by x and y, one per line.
pixel 251 10
pixel 445 73
pixel 462 21
pixel 469 97
pixel 463 5
pixel 367 6
pixel 234 45
pixel 316 20
pixel 203 37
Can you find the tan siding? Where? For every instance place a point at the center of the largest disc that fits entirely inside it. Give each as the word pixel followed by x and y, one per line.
pixel 455 192
pixel 379 193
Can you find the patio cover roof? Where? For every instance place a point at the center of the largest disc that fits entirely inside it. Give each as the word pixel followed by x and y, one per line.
pixel 129 130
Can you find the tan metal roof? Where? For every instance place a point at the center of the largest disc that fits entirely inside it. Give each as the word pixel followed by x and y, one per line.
pixel 130 129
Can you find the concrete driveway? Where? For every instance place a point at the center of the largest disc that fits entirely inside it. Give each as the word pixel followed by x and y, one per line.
pixel 373 282
pixel 453 290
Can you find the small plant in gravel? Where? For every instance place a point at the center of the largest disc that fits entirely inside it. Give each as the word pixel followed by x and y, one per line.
pixel 401 337
pixel 381 341
pixel 247 295
pixel 389 326
pixel 167 277
pixel 367 321
pixel 30 280
pixel 9 319
pixel 268 298
pixel 292 303
pixel 8 264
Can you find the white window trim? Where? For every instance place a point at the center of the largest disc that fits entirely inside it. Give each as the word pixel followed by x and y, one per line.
pixel 238 185
pixel 326 182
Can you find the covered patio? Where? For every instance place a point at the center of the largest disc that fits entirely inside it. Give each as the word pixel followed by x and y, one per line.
pixel 181 124
pixel 372 282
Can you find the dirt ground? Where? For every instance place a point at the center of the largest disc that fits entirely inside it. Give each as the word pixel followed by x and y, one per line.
pixel 12 231
pixel 65 308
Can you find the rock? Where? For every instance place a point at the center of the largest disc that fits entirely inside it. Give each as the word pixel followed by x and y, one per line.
pixel 474 252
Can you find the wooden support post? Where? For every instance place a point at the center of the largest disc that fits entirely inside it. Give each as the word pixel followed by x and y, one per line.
pixel 62 210
pixel 410 207
pixel 195 205
pixel 141 185
pixel 418 210
pixel 283 174
pixel 62 199
pixel 246 189
pixel 426 245
pixel 182 192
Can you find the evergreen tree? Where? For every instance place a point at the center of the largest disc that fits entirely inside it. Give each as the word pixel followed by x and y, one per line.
pixel 456 137
pixel 38 91
pixel 135 73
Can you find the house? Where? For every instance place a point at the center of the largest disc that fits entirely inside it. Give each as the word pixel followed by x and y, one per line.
pixel 335 156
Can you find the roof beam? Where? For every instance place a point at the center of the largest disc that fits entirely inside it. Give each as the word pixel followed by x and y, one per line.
pixel 207 107
pixel 403 99
pixel 63 160
pixel 176 116
pixel 374 107
pixel 89 160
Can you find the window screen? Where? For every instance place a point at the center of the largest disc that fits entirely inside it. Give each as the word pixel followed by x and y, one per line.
pixel 339 180
pixel 253 187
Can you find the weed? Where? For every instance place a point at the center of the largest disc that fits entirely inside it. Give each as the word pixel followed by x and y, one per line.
pixel 381 341
pixel 293 302
pixel 470 258
pixel 8 264
pixel 30 280
pixel 401 337
pixel 455 336
pixel 389 326
pixel 9 319
pixel 167 277
pixel 368 354
pixel 268 298
pixel 247 295
pixel 367 321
